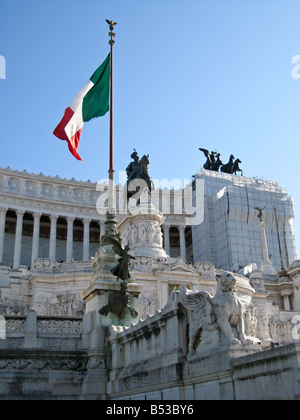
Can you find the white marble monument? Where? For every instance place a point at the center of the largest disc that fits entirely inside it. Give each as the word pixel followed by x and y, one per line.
pixel 141 229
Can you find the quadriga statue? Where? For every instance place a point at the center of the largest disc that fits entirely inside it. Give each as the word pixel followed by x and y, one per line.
pixel 215 321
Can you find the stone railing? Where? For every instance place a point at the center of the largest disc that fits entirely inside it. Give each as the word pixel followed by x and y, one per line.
pixel 59 326
pixel 47 265
pixel 17 326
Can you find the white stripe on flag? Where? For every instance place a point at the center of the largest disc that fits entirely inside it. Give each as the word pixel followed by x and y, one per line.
pixel 76 122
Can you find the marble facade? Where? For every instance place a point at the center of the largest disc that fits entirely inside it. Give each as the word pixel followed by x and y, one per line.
pixel 49 217
pixel 54 278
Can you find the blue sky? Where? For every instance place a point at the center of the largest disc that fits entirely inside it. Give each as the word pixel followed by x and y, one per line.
pixel 187 74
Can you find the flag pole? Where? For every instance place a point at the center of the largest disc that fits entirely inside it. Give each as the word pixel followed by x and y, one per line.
pixel 111 43
pixel 111 223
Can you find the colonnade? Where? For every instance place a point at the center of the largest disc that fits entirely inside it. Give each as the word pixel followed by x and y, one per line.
pixel 53 236
pixel 69 237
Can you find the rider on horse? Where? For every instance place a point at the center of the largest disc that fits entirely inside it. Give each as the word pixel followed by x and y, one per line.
pixel 138 170
pixel 133 168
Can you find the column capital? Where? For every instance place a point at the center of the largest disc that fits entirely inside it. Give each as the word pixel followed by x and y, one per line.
pixel 37 214
pixel 286 292
pixel 54 217
pixel 20 212
pixel 181 227
pixel 3 209
pixel 166 226
pixel 86 221
pixel 70 219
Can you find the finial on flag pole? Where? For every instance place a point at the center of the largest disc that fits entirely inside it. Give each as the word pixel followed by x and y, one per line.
pixel 111 33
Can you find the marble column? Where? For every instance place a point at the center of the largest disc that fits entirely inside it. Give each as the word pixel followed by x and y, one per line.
pixel 69 254
pixel 264 244
pixel 2 231
pixel 164 294
pixel 286 300
pixel 86 239
pixel 53 229
pixel 182 242
pixel 36 237
pixel 102 229
pixel 18 238
pixel 167 239
pixel 266 265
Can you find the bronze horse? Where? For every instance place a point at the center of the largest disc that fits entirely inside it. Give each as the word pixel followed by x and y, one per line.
pixel 236 167
pixel 232 167
pixel 228 168
pixel 140 182
pixel 216 165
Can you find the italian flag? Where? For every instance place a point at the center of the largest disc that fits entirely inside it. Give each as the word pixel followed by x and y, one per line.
pixel 92 101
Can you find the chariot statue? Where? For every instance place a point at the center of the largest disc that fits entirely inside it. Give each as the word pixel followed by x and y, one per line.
pixel 214 163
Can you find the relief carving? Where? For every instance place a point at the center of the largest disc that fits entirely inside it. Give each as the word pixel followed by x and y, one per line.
pixel 148 304
pixel 12 306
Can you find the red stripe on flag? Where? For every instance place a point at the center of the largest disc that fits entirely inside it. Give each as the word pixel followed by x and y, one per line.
pixel 61 134
pixel 74 144
pixel 60 129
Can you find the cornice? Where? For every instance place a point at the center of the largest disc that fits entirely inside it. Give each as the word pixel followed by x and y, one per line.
pixel 238 179
pixel 294 269
pixel 45 178
pixel 40 192
pixel 50 207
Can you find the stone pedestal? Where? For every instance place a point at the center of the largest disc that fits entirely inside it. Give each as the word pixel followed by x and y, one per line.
pixel 94 342
pixel 141 228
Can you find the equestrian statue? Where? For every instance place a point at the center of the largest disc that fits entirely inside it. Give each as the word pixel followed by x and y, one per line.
pixel 138 178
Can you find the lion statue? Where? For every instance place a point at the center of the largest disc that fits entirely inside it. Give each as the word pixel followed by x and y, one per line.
pixel 215 321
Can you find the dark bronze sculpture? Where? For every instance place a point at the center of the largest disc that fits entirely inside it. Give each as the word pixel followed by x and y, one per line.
pixel 138 178
pixel 236 167
pixel 228 168
pixel 119 303
pixel 260 212
pixel 133 168
pixel 121 270
pixel 214 163
pixel 210 158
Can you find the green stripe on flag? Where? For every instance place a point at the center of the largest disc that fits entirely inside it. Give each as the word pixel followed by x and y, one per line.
pixel 96 101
